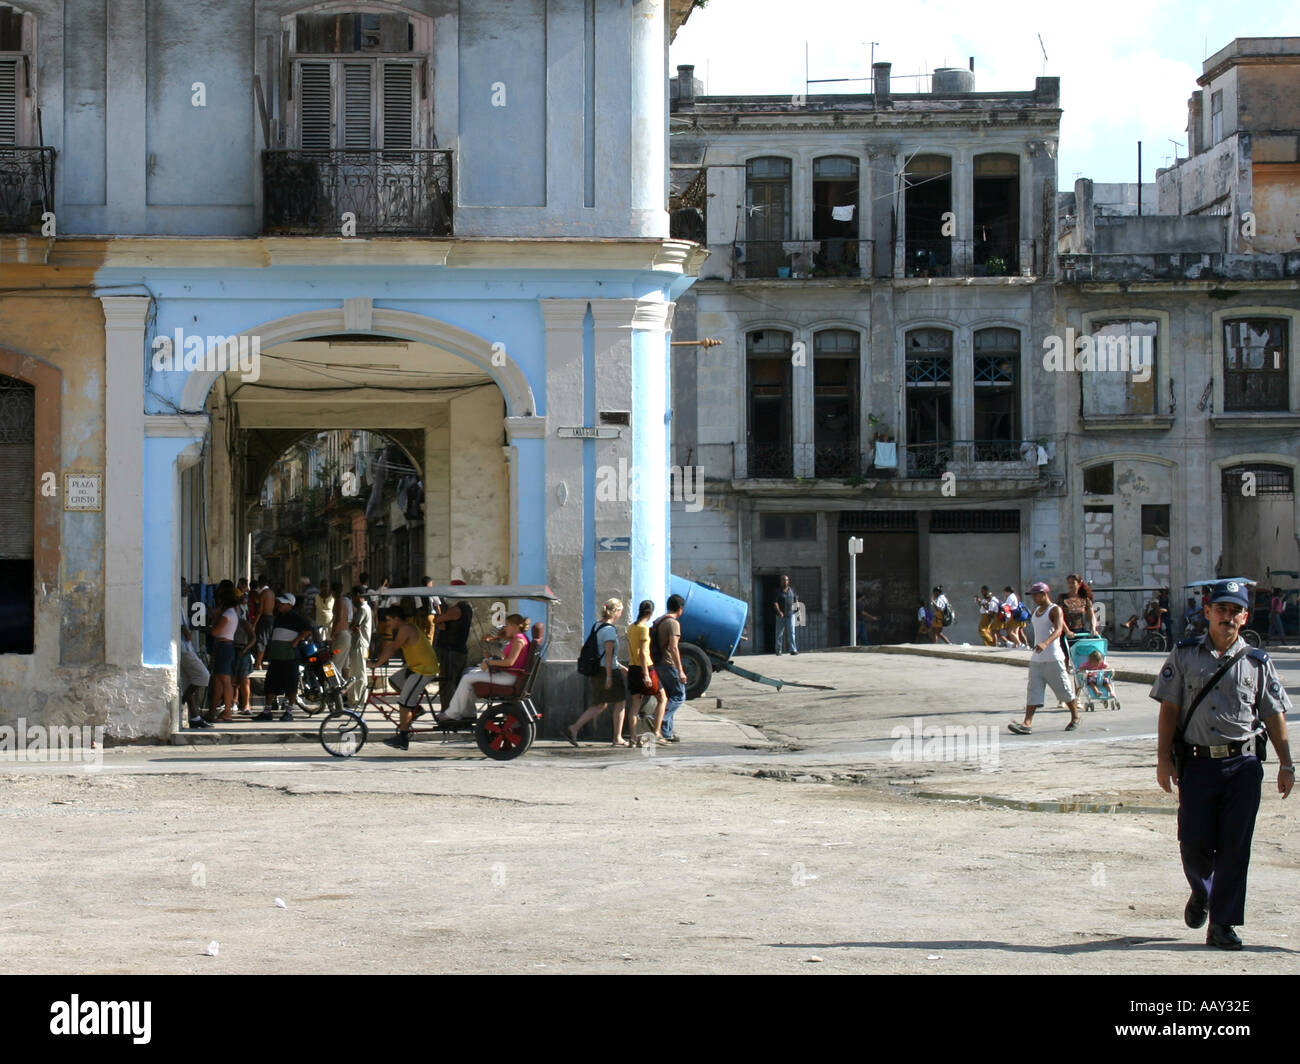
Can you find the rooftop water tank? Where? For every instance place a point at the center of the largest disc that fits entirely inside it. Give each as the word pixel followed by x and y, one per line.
pixel 948 81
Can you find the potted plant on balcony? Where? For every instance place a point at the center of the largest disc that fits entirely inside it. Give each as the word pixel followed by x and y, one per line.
pixel 996 266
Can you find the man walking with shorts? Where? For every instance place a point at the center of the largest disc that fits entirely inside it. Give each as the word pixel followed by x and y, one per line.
pixel 1047 662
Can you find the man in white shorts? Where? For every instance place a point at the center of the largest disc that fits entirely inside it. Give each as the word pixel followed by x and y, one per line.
pixel 1047 666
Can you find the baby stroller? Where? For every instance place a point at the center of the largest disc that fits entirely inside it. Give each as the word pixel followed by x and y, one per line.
pixel 1080 649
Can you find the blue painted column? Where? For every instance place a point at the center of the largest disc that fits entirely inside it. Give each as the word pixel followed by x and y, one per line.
pixel 160 571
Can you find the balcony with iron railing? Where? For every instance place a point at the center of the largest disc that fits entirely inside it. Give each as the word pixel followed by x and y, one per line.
pixel 985 459
pixel 26 188
pixel 837 461
pixel 803 259
pixel 947 257
pixel 388 193
pixel 769 460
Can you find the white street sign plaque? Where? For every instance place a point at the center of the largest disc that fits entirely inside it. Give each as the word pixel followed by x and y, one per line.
pixel 83 491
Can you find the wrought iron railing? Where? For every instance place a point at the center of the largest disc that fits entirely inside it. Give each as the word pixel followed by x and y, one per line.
pixel 26 188
pixel 927 258
pixel 928 459
pixel 798 259
pixel 1018 458
pixel 770 460
pixel 832 460
pixel 388 193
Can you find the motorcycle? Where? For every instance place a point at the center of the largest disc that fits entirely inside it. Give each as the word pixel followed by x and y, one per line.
pixel 319 684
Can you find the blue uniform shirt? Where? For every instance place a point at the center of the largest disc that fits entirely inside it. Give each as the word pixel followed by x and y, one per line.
pixel 1226 714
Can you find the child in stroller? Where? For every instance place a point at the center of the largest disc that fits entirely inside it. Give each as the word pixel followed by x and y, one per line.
pixel 1092 673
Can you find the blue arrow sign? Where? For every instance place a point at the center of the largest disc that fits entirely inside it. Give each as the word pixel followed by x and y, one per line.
pixel 614 543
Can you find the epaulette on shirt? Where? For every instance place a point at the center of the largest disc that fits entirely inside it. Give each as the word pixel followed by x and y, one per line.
pixel 1190 641
pixel 1255 654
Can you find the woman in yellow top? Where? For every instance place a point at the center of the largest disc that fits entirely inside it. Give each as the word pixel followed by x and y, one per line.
pixel 642 680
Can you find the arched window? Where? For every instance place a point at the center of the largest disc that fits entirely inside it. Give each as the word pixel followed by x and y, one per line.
pixel 835 404
pixel 835 215
pixel 928 376
pixel 768 437
pixel 1256 374
pixel 17 515
pixel 928 198
pixel 997 394
pixel 767 218
pixel 997 214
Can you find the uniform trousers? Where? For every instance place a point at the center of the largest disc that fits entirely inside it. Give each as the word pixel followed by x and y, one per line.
pixel 1217 803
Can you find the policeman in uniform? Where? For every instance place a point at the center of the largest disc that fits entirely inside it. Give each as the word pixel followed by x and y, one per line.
pixel 1219 792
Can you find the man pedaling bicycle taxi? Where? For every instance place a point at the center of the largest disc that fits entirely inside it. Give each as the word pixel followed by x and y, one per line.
pixel 421 666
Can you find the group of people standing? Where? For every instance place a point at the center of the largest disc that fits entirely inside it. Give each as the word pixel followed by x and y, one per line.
pixel 654 670
pixel 255 626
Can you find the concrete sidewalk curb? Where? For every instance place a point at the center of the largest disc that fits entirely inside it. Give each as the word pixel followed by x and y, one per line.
pixel 992 658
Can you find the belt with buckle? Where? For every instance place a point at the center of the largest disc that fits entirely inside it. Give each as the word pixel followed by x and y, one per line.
pixel 1216 752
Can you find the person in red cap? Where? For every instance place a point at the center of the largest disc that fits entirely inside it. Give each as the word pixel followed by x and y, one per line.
pixel 1047 666
pixel 452 627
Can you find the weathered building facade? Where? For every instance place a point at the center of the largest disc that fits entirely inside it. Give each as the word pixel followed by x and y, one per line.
pixel 1191 471
pixel 880 272
pixel 443 219
pixel 892 281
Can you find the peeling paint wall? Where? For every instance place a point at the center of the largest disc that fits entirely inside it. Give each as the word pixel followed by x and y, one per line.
pixel 65 681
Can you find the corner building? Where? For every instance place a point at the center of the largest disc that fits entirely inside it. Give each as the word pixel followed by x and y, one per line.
pixel 441 220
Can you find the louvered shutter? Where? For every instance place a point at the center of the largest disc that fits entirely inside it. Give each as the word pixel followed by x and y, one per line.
pixel 358 115
pixel 17 468
pixel 8 101
pixel 315 106
pixel 398 106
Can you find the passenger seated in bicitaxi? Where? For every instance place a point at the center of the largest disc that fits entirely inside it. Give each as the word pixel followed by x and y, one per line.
pixel 1098 673
pixel 507 670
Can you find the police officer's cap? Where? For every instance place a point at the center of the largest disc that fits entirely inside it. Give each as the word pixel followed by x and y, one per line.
pixel 1236 591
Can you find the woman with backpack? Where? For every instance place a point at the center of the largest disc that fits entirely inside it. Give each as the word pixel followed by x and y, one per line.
pixel 642 679
pixel 940 614
pixel 608 681
pixel 1015 614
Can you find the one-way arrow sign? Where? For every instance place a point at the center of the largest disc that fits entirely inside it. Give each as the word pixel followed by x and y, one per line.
pixel 614 543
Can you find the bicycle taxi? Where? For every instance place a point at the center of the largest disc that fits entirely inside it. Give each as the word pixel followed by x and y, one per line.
pixel 506 722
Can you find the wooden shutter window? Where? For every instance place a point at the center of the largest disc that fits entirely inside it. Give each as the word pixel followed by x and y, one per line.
pixel 398 106
pixel 315 103
pixel 357 113
pixel 8 101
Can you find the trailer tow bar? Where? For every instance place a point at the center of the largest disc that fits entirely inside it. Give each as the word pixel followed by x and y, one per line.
pixel 731 666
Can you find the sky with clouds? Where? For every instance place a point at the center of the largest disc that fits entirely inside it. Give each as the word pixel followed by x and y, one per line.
pixel 1126 66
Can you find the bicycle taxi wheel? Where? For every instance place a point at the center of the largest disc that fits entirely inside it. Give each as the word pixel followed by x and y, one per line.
pixel 504 732
pixel 343 733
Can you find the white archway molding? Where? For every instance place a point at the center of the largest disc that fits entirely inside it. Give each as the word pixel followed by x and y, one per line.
pixel 401 324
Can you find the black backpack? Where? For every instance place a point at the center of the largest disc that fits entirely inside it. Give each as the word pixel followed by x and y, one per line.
pixel 589 658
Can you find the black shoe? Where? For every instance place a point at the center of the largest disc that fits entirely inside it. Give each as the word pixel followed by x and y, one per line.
pixel 400 741
pixel 286 716
pixel 1222 936
pixel 266 714
pixel 671 739
pixel 1194 912
pixel 199 722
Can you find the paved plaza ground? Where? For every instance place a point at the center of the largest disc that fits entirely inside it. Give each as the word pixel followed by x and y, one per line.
pixel 790 831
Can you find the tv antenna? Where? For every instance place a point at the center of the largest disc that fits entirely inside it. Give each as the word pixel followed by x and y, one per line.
pixel 1043 48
